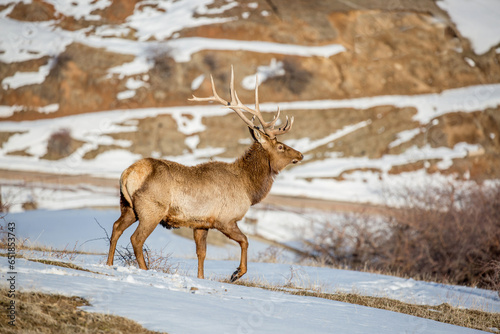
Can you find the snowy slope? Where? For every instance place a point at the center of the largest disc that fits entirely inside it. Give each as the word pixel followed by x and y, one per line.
pixel 23 41
pixel 184 304
pixel 67 228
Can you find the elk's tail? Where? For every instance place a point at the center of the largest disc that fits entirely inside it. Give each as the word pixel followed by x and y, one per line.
pixel 125 199
pixel 132 179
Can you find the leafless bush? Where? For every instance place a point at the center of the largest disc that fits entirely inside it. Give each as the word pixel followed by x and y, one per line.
pixel 350 241
pixel 163 62
pixel 296 78
pixel 454 238
pixel 155 260
pixel 271 254
pixel 59 144
pixel 449 233
pixel 11 196
pixel 59 65
pixel 210 61
pixel 4 207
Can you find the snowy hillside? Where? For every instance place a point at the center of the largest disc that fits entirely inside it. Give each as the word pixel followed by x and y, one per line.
pixel 180 303
pixel 356 139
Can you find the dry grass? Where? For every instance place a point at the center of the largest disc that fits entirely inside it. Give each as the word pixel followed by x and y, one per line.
pixel 445 313
pixel 45 313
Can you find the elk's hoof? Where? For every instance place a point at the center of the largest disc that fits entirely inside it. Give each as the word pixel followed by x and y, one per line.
pixel 235 275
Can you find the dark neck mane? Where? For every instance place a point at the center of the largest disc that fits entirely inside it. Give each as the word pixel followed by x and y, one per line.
pixel 256 168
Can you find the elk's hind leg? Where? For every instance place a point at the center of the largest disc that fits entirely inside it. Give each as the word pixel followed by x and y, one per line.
pixel 233 232
pixel 200 238
pixel 126 219
pixel 150 215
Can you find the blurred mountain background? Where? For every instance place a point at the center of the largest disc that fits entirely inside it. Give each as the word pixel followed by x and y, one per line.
pixel 380 90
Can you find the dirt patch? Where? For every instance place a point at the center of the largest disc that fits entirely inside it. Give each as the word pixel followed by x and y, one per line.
pixel 35 11
pixel 117 11
pixel 46 313
pixel 158 136
pixel 21 153
pixel 228 132
pixel 75 82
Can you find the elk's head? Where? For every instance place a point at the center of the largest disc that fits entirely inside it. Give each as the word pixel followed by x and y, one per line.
pixel 280 155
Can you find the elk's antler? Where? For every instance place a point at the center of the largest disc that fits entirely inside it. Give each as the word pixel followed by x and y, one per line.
pixel 238 107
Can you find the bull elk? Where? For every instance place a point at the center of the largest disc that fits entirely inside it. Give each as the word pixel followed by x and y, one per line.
pixel 212 195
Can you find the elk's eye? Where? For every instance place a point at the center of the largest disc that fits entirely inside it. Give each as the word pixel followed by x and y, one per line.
pixel 280 147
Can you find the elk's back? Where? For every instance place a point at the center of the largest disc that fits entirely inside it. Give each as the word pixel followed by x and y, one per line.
pixel 201 196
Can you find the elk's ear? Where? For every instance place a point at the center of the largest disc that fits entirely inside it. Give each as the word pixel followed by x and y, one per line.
pixel 257 135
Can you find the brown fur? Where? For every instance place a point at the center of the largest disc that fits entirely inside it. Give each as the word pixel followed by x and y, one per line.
pixel 213 195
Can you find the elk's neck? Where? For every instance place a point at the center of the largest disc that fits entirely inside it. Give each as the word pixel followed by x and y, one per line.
pixel 258 175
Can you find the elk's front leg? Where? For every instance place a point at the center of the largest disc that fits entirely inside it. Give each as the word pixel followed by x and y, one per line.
pixel 233 232
pixel 200 238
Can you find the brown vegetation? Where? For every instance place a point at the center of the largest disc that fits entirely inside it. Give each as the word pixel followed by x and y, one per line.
pixel 61 145
pixel 45 313
pixel 443 233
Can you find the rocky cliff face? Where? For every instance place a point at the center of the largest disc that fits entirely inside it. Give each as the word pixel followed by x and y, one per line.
pixel 389 49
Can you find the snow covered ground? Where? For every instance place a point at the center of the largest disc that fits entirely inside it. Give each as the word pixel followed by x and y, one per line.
pixel 31 40
pixel 181 303
pixel 80 230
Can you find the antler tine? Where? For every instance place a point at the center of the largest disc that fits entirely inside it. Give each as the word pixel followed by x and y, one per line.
pixel 266 126
pixel 214 98
pixel 282 130
pixel 239 108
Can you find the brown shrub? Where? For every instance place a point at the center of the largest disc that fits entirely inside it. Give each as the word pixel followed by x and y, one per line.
pixel 295 79
pixel 441 232
pixel 59 144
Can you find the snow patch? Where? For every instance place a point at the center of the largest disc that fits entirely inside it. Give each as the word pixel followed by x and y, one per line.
pixel 161 19
pixel 21 41
pixel 137 66
pixel 126 94
pixel 197 82
pixel 476 20
pixel 80 9
pixel 404 136
pixel 20 79
pixel 264 73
